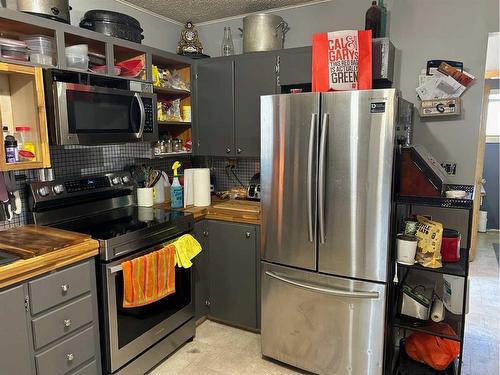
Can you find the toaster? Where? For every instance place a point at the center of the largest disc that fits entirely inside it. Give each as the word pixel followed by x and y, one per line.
pixel 253 189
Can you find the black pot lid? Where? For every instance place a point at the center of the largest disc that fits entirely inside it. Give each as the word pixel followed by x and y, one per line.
pixel 109 16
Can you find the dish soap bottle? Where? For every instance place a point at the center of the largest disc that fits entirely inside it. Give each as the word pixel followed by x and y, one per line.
pixel 176 189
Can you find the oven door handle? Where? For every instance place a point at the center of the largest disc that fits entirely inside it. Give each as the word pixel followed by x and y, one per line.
pixel 114 269
pixel 138 97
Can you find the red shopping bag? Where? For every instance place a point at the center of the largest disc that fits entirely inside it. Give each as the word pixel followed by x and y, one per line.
pixel 342 60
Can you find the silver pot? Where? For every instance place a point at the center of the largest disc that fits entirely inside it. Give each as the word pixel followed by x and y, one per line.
pixel 54 9
pixel 263 32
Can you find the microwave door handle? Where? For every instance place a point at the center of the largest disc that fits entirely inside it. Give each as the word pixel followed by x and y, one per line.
pixel 138 97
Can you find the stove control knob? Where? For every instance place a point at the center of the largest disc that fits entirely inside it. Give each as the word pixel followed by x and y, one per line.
pixel 58 189
pixel 115 180
pixel 44 191
pixel 126 179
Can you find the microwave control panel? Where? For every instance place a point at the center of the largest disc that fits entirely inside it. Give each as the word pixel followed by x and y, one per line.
pixel 150 112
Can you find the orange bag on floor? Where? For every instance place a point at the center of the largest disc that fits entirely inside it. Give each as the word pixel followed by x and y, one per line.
pixel 342 60
pixel 431 350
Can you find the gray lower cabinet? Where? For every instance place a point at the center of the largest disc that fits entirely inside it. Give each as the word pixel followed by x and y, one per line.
pixel 233 273
pixel 52 324
pixel 214 131
pixel 15 354
pixel 200 271
pixel 255 75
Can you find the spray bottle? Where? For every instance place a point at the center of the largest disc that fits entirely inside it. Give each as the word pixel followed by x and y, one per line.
pixel 176 193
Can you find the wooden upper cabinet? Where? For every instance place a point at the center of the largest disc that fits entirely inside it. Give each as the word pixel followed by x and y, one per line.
pixel 22 103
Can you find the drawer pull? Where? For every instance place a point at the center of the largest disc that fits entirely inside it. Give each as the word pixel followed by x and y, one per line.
pixel 67 322
pixel 65 288
pixel 70 357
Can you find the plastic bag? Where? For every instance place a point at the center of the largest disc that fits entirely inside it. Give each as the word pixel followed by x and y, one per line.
pixel 342 60
pixel 430 234
pixel 432 350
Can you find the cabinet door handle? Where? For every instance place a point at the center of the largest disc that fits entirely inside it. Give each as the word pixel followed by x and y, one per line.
pixel 70 357
pixel 248 234
pixel 239 150
pixel 205 233
pixel 65 288
pixel 228 150
pixel 67 322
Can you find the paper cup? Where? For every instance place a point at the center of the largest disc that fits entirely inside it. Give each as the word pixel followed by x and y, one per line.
pixel 145 197
pixel 406 249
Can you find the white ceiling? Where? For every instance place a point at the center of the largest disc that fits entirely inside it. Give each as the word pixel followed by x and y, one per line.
pixel 207 10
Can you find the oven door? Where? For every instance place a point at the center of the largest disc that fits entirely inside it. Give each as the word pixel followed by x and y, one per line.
pixel 91 115
pixel 130 331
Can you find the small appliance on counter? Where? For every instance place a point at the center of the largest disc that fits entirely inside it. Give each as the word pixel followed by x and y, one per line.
pixel 253 189
pixel 416 297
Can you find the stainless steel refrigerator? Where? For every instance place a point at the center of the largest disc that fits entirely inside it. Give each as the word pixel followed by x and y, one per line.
pixel 326 182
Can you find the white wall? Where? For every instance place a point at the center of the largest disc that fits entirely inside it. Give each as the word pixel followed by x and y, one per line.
pixel 158 32
pixel 421 30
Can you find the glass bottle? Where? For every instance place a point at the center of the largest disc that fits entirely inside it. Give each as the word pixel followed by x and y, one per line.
pixel 372 19
pixel 227 48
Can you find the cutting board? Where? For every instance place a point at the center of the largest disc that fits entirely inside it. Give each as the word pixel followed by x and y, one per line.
pixel 239 205
pixel 31 240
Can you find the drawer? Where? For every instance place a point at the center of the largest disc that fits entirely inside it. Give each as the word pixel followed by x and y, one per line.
pixel 90 369
pixel 67 355
pixel 59 287
pixel 60 322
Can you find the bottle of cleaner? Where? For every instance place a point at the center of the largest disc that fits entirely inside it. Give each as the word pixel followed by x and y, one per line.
pixel 176 194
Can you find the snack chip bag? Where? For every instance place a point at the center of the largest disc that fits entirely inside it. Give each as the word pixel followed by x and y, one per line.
pixel 342 60
pixel 430 234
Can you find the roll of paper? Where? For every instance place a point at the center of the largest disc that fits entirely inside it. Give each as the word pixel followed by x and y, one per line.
pixel 189 187
pixel 437 312
pixel 201 184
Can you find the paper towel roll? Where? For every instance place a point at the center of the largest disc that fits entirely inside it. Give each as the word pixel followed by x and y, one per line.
pixel 188 187
pixel 437 312
pixel 201 183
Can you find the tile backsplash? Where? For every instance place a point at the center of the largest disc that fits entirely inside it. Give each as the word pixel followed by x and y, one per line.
pixel 76 161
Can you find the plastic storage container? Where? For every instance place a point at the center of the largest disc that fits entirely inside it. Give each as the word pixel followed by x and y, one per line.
pixel 450 245
pixel 42 49
pixel 77 56
pixel 26 143
pixel 15 53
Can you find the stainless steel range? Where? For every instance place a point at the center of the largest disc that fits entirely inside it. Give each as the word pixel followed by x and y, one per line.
pixel 133 340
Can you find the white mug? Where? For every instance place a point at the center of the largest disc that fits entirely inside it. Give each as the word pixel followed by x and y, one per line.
pixel 406 248
pixel 145 197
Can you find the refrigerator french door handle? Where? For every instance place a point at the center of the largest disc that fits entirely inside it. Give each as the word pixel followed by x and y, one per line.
pixel 322 176
pixel 322 289
pixel 310 160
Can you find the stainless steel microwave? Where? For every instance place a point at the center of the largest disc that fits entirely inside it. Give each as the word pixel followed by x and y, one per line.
pixel 89 115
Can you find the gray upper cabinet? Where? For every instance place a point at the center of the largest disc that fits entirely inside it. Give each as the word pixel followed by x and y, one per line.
pixel 255 75
pixel 233 294
pixel 14 337
pixel 214 133
pixel 201 271
pixel 295 66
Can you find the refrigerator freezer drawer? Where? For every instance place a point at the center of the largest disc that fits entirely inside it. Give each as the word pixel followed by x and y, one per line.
pixel 323 324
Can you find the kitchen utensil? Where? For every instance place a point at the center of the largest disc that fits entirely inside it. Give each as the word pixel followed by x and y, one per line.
pixel 114 24
pixel 450 245
pixel 263 32
pixel 97 58
pixel 406 248
pixel 153 178
pixel 57 10
pixel 145 197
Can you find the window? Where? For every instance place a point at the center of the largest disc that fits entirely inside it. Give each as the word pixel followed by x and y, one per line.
pixel 493 119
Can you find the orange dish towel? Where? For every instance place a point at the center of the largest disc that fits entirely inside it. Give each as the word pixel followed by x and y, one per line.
pixel 149 278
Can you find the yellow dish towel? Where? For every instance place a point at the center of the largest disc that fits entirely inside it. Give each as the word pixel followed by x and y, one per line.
pixel 186 248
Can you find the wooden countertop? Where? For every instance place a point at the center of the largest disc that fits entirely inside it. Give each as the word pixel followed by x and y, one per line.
pixel 42 249
pixel 237 211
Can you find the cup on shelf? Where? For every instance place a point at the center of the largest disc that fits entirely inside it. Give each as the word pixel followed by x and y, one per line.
pixel 145 197
pixel 406 248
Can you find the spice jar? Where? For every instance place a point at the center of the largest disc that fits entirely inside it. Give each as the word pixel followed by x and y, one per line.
pixel 11 154
pixel 26 143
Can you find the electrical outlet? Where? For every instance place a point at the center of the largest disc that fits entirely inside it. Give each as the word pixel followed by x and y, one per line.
pixel 231 163
pixel 450 168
